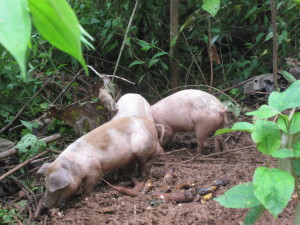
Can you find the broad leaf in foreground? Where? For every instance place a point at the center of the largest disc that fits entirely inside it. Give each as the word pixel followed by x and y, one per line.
pixel 15 29
pixel 267 136
pixel 240 196
pixel 58 24
pixel 273 188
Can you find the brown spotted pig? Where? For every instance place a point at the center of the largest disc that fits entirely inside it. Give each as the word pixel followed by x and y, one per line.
pixel 108 147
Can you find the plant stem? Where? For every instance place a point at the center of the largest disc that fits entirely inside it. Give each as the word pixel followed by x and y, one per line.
pixel 125 37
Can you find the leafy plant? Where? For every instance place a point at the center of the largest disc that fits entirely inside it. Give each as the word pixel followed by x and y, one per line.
pixel 272 188
pixel 29 146
pixel 54 19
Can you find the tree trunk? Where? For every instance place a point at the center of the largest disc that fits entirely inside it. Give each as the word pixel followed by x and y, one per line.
pixel 174 24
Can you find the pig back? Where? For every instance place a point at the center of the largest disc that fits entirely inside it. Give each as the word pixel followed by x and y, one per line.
pixel 184 109
pixel 133 105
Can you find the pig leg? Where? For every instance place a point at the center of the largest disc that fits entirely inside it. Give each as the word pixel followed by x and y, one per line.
pixel 88 185
pixel 144 166
pixel 202 132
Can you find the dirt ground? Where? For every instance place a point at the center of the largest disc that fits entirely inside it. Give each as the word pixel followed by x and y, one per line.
pixel 107 206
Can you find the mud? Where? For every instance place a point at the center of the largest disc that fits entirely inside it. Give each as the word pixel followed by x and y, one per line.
pixel 107 206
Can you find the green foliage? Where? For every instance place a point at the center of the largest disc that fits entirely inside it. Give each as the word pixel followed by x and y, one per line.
pixel 287 99
pixel 264 112
pixel 29 146
pixel 266 135
pixel 240 196
pixel 254 214
pixel 243 126
pixel 15 29
pixel 211 6
pixel 57 23
pixel 54 19
pixel 272 187
pixel 7 214
pixel 289 77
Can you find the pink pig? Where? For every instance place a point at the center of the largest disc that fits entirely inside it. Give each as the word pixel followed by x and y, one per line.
pixel 190 110
pixel 133 105
pixel 113 145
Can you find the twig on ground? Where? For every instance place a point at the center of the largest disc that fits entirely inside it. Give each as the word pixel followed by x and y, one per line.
pixel 66 88
pixel 203 157
pixel 18 221
pixel 13 150
pixel 38 209
pixel 22 164
pixel 177 150
pixel 107 75
pixel 239 84
pixel 23 187
pixel 30 171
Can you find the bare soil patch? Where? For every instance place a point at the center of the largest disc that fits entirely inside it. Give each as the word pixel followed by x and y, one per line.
pixel 107 206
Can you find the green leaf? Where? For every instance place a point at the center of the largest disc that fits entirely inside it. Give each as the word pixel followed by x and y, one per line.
pixel 297 215
pixel 44 105
pixel 289 77
pixel 295 124
pixel 145 45
pixel 136 62
pixel 296 148
pixel 269 36
pixel 264 112
pixel 241 196
pixel 153 62
pixel 242 126
pixel 211 6
pixel 27 124
pixel 296 166
pixel 283 153
pixel 164 66
pixel 267 136
pixel 159 54
pixel 29 146
pixel 273 188
pixel 282 122
pixel 15 27
pixel 58 24
pixel 287 99
pixel 254 214
pixel 259 36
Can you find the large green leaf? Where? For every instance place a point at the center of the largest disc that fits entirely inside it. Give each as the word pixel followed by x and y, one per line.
pixel 295 124
pixel 254 214
pixel 29 146
pixel 211 6
pixel 287 99
pixel 267 136
pixel 283 153
pixel 264 112
pixel 240 196
pixel 15 29
pixel 242 126
pixel 58 24
pixel 273 188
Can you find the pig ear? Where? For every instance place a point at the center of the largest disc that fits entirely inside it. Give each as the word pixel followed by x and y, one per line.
pixel 43 170
pixel 59 180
